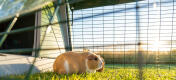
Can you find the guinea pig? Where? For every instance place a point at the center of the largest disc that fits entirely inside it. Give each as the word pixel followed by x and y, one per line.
pixel 73 62
pixel 101 69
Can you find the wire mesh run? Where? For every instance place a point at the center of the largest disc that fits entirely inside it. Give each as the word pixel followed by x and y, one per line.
pixel 139 35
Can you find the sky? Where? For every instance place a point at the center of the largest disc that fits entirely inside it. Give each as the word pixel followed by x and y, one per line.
pixel 116 24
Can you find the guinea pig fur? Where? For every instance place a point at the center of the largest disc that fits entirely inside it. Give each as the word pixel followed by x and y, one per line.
pixel 73 62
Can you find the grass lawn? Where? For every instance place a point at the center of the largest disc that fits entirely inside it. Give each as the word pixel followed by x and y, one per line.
pixel 111 72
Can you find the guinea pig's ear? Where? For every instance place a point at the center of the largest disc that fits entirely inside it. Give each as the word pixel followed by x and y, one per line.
pixel 86 50
pixel 92 57
pixel 98 55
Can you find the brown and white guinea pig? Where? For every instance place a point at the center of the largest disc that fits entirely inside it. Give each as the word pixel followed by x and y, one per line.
pixel 73 62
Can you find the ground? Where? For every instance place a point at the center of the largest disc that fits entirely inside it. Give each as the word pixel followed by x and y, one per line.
pixel 111 72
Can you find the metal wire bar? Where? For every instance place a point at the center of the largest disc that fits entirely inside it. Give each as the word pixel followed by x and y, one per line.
pixel 72 32
pixel 147 32
pixel 82 28
pixel 30 28
pixel 124 37
pixel 51 19
pixel 68 25
pixel 113 36
pixel 31 49
pixel 37 50
pixel 172 34
pixel 92 27
pixel 32 66
pixel 158 57
pixel 103 31
pixel 3 38
pixel 140 56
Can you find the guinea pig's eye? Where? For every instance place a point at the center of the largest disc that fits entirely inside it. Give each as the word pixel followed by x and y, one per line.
pixel 95 59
